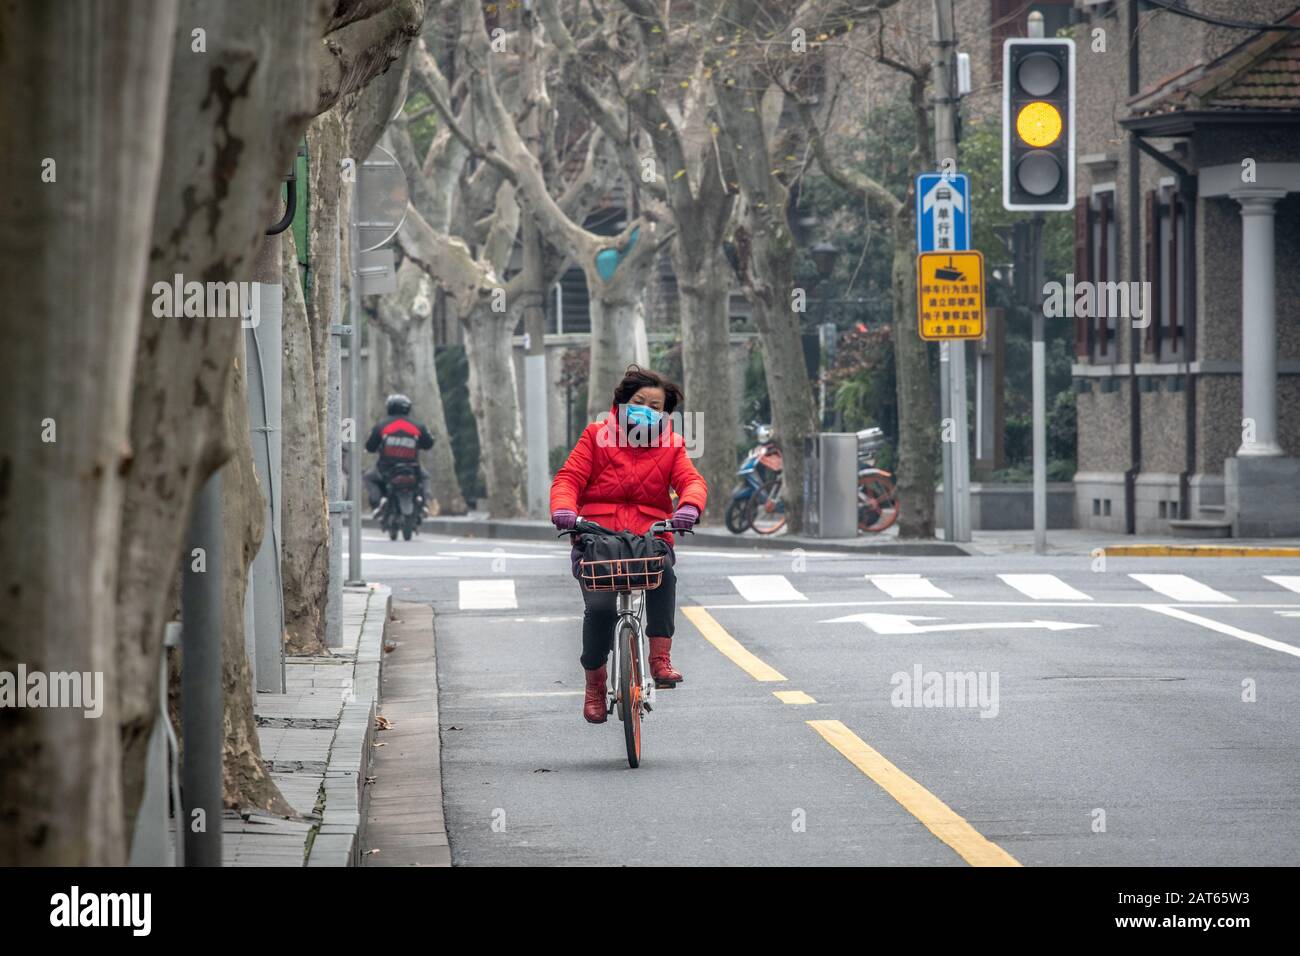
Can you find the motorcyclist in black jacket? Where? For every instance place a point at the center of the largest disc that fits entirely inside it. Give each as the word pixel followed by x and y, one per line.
pixel 398 439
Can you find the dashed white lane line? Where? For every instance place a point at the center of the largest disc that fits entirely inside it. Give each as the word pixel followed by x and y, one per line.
pixel 765 587
pixel 367 556
pixel 1227 629
pixel 503 554
pixel 907 586
pixel 1180 587
pixel 1044 587
pixel 491 595
pixel 1289 581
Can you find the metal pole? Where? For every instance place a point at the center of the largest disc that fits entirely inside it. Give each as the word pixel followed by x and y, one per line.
pixel 334 463
pixel 945 414
pixel 354 396
pixel 263 356
pixel 201 705
pixel 1039 366
pixel 956 454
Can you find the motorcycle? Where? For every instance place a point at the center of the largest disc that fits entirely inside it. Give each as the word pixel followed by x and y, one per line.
pixel 877 497
pixel 404 502
pixel 756 502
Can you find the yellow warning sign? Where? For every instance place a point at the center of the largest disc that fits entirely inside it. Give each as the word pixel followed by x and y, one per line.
pixel 950 295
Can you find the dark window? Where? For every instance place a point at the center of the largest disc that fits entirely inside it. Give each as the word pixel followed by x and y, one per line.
pixel 1169 243
pixel 1095 260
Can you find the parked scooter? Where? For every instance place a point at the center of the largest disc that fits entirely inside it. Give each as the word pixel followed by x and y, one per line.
pixel 756 502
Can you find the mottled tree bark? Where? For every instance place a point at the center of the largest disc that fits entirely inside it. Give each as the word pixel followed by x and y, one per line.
pixel 244 780
pixel 304 564
pixel 82 87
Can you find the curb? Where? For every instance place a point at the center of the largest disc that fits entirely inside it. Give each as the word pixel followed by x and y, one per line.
pixel 337 841
pixel 524 530
pixel 1200 551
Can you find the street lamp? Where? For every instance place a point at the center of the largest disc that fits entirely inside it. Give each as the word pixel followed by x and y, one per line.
pixel 824 255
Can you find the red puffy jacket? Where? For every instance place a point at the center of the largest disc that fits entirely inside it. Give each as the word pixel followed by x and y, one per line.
pixel 623 487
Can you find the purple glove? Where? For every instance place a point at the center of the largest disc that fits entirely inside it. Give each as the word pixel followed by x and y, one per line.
pixel 684 518
pixel 564 520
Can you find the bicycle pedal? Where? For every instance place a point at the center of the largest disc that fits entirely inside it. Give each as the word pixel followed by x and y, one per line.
pixel 665 684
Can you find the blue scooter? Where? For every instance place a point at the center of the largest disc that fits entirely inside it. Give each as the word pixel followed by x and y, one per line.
pixel 756 502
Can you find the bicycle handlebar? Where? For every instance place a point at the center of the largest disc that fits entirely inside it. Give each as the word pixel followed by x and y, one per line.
pixel 590 527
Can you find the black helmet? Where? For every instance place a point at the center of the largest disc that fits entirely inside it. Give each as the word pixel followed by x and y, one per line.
pixel 398 404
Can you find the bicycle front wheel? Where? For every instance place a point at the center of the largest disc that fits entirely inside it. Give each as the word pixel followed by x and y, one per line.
pixel 769 509
pixel 629 692
pixel 877 503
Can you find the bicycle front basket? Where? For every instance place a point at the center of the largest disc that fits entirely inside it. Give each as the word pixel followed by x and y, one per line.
pixel 621 562
pixel 622 574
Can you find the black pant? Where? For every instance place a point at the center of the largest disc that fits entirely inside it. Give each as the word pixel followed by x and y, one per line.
pixel 599 617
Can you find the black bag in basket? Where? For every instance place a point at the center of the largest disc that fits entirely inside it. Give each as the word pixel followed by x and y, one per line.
pixel 607 566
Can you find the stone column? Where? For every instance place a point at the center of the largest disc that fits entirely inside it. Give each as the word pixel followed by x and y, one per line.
pixel 1258 323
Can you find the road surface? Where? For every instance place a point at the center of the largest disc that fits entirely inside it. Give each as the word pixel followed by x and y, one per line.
pixel 940 711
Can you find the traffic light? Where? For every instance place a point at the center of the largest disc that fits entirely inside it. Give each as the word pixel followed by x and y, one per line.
pixel 1038 124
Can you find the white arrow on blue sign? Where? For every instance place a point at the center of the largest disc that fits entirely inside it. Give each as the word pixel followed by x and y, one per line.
pixel 942 212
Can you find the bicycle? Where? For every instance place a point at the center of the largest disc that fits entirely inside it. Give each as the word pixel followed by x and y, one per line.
pixel 878 506
pixel 631 691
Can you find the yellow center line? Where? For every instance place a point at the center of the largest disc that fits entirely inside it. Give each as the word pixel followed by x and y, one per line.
pixel 792 697
pixel 939 818
pixel 717 635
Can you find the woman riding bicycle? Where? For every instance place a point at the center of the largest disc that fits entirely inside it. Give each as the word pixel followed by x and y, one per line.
pixel 619 475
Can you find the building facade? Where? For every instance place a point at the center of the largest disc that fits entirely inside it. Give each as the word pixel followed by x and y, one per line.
pixel 1188 184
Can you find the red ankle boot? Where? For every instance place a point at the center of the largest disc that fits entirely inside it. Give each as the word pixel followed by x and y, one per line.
pixel 661 667
pixel 593 707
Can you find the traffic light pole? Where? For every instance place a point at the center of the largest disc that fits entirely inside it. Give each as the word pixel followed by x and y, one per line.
pixel 1038 358
pixel 956 453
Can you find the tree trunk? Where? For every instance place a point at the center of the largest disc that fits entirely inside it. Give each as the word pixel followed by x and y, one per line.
pixel 244 780
pixel 495 401
pixel 618 335
pixel 704 290
pixel 918 436
pixel 235 115
pixel 304 517
pixel 403 333
pixel 86 86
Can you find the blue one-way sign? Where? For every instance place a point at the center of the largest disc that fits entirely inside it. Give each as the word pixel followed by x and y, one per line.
pixel 942 212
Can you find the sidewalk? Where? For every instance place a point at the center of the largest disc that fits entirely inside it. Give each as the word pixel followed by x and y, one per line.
pixel 477 524
pixel 316 740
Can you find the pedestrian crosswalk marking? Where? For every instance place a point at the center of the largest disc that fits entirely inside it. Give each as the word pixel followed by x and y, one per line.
pixel 765 587
pixel 1044 587
pixel 1181 588
pixel 1289 581
pixel 491 595
pixel 939 818
pixel 907 586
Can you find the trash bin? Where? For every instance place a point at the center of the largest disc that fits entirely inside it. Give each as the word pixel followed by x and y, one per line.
pixel 831 485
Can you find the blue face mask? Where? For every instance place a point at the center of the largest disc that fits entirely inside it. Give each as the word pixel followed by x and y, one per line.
pixel 642 416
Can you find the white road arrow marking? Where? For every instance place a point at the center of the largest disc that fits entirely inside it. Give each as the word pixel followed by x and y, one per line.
pixel 902 624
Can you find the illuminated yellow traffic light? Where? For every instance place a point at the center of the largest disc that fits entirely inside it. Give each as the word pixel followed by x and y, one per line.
pixel 1039 124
